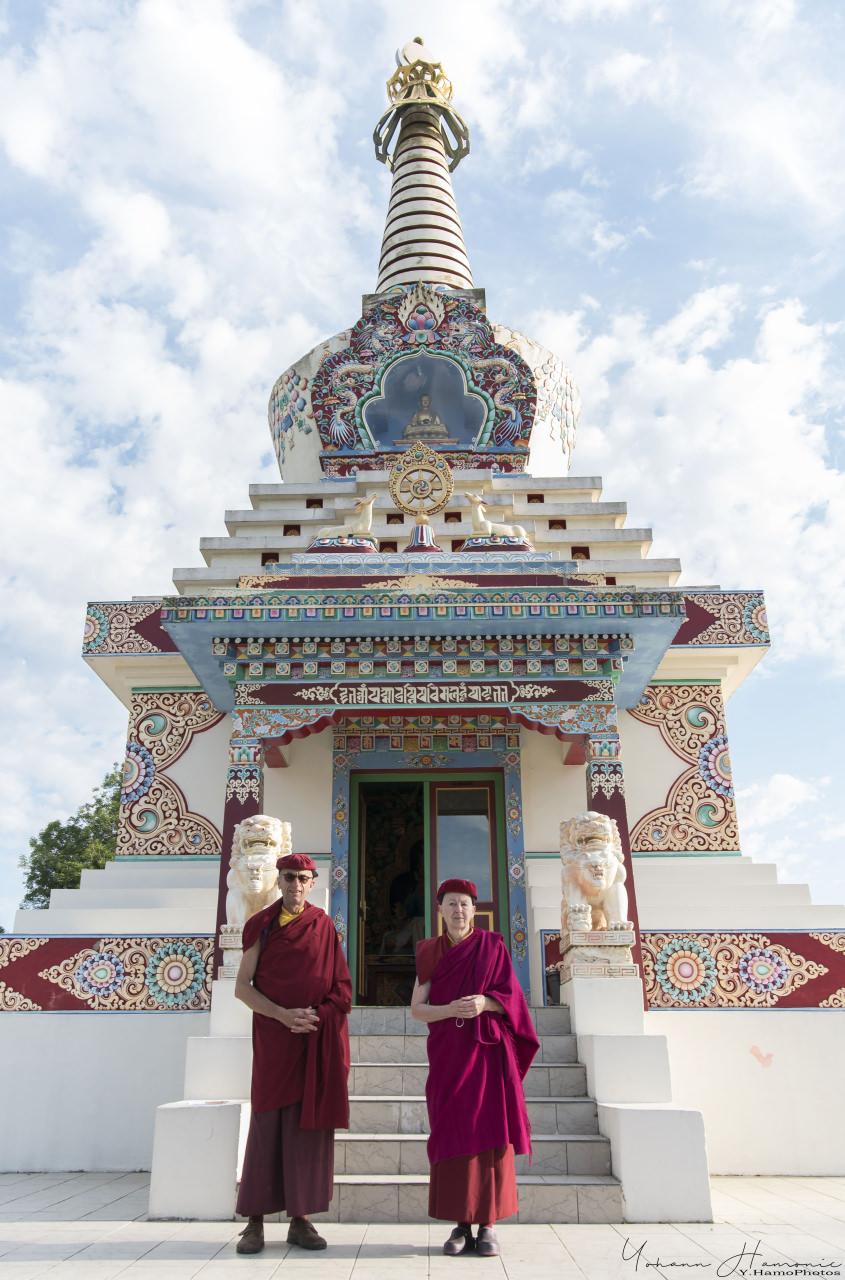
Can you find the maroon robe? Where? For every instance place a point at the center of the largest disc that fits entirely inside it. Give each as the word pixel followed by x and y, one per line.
pixel 301 965
pixel 474 1088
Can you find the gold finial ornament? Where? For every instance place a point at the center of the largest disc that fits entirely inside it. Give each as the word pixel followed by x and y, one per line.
pixel 421 482
pixel 419 81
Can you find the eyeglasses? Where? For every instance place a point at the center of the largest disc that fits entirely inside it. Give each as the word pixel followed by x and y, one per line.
pixel 290 876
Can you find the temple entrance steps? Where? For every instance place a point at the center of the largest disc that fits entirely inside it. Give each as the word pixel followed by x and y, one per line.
pixel 381 1165
pixel 154 895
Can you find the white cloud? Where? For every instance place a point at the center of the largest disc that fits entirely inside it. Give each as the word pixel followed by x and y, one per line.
pixel 634 77
pixel 767 804
pixel 579 224
pixel 729 450
pixel 199 206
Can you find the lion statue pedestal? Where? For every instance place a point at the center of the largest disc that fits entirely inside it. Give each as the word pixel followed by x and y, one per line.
pixel 595 934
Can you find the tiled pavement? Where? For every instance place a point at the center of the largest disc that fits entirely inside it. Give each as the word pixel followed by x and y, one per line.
pixel 92 1226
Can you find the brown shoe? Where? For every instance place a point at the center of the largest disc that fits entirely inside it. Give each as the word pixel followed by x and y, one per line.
pixel 460 1241
pixel 304 1233
pixel 252 1237
pixel 486 1244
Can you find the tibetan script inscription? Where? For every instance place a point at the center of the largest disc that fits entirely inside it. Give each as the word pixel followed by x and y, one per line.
pixel 425 693
pixel 420 693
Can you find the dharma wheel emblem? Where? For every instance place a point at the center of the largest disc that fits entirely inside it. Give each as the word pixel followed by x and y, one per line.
pixel 421 482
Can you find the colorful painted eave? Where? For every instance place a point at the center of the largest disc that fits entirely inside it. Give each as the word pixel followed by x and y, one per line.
pixel 664 624
pixel 652 617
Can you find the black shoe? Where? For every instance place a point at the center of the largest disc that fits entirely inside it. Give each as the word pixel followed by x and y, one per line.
pixel 460 1241
pixel 486 1244
pixel 252 1237
pixel 304 1233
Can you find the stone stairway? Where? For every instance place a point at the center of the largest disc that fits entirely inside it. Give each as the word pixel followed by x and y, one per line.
pixel 381 1168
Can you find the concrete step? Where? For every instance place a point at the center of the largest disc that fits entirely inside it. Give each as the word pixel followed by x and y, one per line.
pixel 105 922
pixel 404 1198
pixel 131 897
pixel 553 1154
pixel 707 868
pixel 219 1066
pixel 381 1020
pixel 663 897
pixel 408 1114
pixel 168 873
pixel 381 1079
pixel 718 912
pixel 690 871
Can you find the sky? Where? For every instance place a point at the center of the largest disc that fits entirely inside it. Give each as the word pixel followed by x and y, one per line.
pixel 190 201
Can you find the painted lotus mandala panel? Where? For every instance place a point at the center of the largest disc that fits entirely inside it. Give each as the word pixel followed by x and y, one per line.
pixel 138 974
pixel 726 970
pixel 118 974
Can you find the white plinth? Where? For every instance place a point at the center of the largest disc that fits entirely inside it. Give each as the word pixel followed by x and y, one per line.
pixel 604 1006
pixel 626 1068
pixel 659 1155
pixel 218 1067
pixel 229 1016
pixel 196 1154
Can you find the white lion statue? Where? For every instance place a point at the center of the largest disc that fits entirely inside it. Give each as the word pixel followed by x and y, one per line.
pixel 253 880
pixel 592 876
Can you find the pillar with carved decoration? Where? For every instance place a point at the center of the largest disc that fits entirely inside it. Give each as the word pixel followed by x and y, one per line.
pixel 244 799
pixel 606 794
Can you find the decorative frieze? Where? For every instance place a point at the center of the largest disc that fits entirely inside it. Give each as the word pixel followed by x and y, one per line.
pixel 158 974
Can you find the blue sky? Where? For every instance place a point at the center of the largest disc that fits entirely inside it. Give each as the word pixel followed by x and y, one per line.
pixel 191 201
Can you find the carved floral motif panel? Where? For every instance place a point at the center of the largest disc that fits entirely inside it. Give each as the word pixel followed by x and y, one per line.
pixel 154 815
pixel 699 813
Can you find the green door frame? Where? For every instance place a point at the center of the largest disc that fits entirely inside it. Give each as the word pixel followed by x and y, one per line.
pixel 439 776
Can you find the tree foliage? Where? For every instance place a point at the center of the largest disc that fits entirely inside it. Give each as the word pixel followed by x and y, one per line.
pixel 63 850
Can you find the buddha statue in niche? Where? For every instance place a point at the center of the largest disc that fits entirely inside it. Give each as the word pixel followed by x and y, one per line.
pixel 425 424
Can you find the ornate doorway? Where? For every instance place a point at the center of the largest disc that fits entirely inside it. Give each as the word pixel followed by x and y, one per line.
pixel 409 832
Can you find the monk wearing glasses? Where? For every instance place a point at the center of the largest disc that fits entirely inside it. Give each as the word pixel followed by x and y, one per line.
pixel 295 979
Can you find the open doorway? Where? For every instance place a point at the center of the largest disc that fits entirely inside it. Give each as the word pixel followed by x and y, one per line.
pixel 408 832
pixel 391 888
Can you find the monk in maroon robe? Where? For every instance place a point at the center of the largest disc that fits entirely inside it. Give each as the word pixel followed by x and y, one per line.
pixel 295 979
pixel 481 1042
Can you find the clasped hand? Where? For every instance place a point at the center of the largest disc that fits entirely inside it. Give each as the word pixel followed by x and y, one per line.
pixel 468 1006
pixel 301 1021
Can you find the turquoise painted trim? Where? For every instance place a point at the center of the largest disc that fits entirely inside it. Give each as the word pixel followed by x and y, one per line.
pixel 112 933
pixel 536 857
pixel 167 858
pixel 689 679
pixel 121 1013
pixel 692 853
pixel 168 688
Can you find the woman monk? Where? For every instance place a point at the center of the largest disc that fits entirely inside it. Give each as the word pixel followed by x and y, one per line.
pixel 481 1041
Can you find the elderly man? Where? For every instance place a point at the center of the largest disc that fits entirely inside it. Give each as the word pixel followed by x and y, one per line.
pixel 295 979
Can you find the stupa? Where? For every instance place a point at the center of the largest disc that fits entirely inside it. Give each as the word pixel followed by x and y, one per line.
pixel 429 648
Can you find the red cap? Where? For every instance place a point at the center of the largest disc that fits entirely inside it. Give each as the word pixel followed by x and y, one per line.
pixel 458 886
pixel 297 862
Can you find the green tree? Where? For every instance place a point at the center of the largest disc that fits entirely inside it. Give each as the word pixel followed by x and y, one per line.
pixel 63 850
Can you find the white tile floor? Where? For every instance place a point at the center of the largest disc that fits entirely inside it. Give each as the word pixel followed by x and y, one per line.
pixel 92 1226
